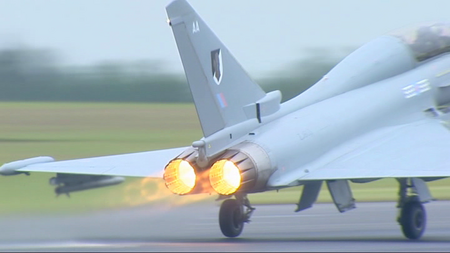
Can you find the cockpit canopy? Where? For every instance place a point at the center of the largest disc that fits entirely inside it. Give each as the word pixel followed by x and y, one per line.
pixel 426 40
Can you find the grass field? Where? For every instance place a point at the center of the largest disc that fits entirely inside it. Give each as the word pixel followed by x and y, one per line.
pixel 76 130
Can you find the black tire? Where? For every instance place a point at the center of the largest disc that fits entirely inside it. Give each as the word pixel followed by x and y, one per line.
pixel 413 220
pixel 231 218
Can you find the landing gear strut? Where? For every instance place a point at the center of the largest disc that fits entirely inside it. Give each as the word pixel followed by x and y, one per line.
pixel 412 216
pixel 233 214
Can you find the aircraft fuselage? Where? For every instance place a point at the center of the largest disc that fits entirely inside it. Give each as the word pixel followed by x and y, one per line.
pixel 300 138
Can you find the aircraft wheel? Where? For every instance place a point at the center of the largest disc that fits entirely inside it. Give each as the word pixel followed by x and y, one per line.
pixel 231 218
pixel 413 219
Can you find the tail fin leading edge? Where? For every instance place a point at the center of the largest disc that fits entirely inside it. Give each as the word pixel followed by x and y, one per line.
pixel 219 86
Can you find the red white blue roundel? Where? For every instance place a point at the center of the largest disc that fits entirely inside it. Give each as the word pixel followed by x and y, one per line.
pixel 217 67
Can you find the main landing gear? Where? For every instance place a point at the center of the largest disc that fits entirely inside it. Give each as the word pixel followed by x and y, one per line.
pixel 412 216
pixel 233 214
pixel 412 219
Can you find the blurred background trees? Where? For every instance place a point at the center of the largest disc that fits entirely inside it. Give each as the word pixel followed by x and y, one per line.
pixel 34 74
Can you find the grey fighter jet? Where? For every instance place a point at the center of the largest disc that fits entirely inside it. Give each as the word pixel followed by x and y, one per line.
pixel 380 113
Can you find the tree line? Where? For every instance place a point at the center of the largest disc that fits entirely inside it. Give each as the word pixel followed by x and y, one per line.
pixel 29 74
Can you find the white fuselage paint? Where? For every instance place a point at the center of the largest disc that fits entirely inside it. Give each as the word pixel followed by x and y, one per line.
pixel 298 139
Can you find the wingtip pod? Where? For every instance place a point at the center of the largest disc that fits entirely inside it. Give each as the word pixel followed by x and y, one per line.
pixel 9 169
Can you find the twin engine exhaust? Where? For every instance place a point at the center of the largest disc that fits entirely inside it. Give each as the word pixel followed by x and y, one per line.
pixel 245 167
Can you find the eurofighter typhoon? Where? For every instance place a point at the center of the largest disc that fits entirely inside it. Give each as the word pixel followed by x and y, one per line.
pixel 380 113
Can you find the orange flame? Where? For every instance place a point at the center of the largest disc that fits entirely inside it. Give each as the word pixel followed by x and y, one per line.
pixel 225 177
pixel 180 177
pixel 154 191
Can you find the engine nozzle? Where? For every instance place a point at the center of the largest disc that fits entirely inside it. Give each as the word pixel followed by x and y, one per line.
pixel 179 176
pixel 225 177
pixel 244 168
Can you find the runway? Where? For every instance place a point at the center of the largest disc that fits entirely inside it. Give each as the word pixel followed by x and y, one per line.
pixel 369 227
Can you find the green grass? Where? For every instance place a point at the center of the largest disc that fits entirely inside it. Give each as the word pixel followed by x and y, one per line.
pixel 76 130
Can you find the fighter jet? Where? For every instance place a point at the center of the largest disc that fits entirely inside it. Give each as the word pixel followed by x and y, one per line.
pixel 380 113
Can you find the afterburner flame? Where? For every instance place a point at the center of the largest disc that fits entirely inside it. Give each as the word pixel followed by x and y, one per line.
pixel 179 176
pixel 225 177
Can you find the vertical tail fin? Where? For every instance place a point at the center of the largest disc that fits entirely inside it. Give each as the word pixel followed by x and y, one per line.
pixel 220 87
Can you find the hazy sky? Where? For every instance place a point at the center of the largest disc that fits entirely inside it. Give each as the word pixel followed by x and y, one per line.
pixel 263 35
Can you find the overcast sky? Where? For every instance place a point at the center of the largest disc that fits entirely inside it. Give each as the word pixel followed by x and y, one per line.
pixel 262 34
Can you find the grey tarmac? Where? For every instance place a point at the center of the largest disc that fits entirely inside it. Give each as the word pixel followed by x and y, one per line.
pixel 194 227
